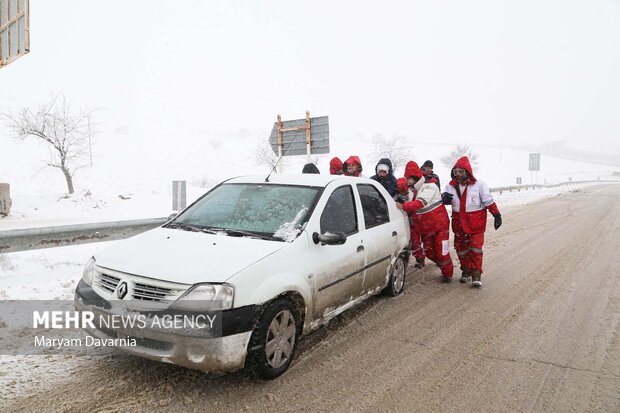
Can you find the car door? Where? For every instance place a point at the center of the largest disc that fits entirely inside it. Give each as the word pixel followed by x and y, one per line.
pixel 339 268
pixel 380 236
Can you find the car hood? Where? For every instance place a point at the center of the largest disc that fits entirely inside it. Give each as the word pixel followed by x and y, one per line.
pixel 185 257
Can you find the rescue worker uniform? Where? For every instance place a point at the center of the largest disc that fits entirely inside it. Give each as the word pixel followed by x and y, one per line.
pixel 470 203
pixel 432 217
pixel 406 194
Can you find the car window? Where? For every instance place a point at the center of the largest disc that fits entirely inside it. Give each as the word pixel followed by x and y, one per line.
pixel 374 206
pixel 339 213
pixel 277 210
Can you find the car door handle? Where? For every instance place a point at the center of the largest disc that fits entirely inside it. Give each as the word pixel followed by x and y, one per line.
pixel 360 248
pixel 394 233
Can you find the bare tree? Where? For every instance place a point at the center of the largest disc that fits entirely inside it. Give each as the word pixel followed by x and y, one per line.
pixel 459 151
pixel 262 154
pixel 393 148
pixel 65 133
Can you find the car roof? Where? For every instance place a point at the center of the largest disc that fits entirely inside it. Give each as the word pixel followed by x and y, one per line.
pixel 297 179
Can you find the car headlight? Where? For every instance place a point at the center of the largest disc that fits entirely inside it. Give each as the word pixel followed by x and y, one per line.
pixel 89 272
pixel 206 296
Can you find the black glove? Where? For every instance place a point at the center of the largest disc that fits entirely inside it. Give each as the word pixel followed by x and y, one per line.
pixel 446 198
pixel 498 221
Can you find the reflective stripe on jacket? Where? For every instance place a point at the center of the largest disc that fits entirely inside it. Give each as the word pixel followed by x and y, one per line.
pixel 470 207
pixel 428 209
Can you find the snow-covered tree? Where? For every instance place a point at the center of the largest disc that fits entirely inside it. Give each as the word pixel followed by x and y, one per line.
pixel 393 148
pixel 457 152
pixel 65 133
pixel 263 155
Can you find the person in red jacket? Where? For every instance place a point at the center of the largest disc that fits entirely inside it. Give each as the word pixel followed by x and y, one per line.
pixel 335 166
pixel 434 224
pixel 352 166
pixel 470 199
pixel 405 194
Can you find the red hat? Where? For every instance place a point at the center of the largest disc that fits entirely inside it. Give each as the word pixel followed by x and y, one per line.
pixel 462 162
pixel 401 184
pixel 354 160
pixel 412 169
pixel 335 165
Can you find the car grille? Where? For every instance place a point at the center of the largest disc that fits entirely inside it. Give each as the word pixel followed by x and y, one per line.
pixel 107 282
pixel 137 290
pixel 151 292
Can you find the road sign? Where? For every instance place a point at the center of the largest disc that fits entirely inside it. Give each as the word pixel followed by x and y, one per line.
pixel 5 199
pixel 14 30
pixel 534 162
pixel 296 134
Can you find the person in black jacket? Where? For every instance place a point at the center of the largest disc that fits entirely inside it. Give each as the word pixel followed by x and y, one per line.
pixel 429 176
pixel 385 176
pixel 310 168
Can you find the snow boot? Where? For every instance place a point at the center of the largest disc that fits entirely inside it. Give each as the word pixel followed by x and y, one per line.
pixel 419 263
pixel 476 276
pixel 446 279
pixel 465 276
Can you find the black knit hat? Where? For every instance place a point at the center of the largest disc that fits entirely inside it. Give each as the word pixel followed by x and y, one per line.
pixel 310 168
pixel 428 163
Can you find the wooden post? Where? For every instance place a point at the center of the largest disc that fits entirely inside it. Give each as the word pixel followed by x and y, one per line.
pixel 279 130
pixel 308 134
pixel 278 168
pixel 27 23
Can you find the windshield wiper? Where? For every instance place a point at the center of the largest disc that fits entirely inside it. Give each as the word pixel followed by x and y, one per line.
pixel 241 233
pixel 187 227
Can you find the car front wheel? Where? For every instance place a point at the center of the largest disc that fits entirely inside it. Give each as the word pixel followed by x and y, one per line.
pixel 274 340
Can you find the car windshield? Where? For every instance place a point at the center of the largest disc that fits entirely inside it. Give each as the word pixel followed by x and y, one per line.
pixel 277 212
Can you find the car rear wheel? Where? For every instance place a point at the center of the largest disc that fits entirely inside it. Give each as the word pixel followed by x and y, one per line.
pixel 274 340
pixel 396 284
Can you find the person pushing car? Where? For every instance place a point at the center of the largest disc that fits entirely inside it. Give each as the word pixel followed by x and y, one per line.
pixel 432 218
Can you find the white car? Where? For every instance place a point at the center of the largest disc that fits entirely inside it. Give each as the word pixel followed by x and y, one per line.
pixel 280 257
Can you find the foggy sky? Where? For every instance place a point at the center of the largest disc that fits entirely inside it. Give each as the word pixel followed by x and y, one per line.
pixel 452 71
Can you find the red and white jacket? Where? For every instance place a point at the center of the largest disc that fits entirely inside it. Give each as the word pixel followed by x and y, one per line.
pixel 430 213
pixel 470 204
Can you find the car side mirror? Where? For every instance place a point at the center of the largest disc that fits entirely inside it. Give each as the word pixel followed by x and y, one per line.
pixel 172 216
pixel 330 238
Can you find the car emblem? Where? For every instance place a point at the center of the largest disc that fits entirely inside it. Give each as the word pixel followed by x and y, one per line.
pixel 121 291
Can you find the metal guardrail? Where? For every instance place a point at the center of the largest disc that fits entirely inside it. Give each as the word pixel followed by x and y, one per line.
pixel 36 238
pixel 59 236
pixel 518 188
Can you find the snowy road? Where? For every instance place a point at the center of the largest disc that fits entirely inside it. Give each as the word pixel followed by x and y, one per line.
pixel 541 335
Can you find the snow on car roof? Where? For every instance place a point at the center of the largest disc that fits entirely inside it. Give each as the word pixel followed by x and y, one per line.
pixel 296 179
